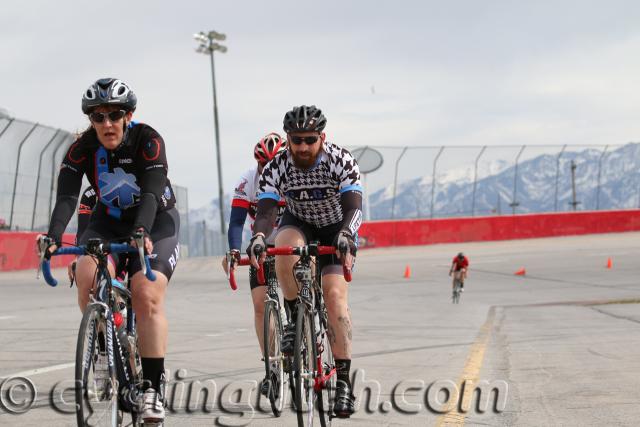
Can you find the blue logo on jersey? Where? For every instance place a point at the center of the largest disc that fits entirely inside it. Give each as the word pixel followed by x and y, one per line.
pixel 118 188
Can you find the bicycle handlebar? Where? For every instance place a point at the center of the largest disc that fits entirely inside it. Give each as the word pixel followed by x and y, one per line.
pixel 114 248
pixel 232 277
pixel 286 250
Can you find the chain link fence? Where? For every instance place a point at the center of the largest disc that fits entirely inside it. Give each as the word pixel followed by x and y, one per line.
pixel 439 181
pixel 32 154
pixel 413 182
pixel 28 171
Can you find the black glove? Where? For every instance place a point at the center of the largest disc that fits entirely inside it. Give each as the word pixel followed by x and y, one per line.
pixel 256 241
pixel 345 239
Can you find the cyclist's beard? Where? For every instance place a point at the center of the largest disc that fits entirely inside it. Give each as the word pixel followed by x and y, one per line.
pixel 305 160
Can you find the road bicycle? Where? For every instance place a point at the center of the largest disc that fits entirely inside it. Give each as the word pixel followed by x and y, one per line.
pixel 276 363
pixel 313 368
pixel 107 331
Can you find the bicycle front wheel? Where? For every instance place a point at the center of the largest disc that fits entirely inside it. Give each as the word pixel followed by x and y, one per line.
pixel 96 387
pixel 304 367
pixel 273 358
pixel 329 374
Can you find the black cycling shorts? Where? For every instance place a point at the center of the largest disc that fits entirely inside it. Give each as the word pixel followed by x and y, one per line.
pixel 324 235
pixel 269 273
pixel 164 235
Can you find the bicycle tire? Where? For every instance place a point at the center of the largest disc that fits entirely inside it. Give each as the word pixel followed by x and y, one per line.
pixel 93 407
pixel 273 358
pixel 304 367
pixel 326 399
pixel 128 379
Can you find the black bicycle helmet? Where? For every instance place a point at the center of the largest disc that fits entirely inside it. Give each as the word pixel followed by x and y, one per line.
pixel 304 119
pixel 108 91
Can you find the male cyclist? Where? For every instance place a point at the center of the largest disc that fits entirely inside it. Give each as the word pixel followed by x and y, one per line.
pixel 321 185
pixel 458 268
pixel 245 200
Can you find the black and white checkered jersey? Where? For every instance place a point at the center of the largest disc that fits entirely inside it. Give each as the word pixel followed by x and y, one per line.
pixel 312 195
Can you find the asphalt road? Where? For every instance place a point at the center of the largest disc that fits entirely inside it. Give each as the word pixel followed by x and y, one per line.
pixel 560 345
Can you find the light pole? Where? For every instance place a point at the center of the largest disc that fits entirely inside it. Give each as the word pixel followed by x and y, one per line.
pixel 208 45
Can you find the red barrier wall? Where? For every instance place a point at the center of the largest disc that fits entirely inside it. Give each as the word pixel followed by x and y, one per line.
pixel 18 251
pixel 505 227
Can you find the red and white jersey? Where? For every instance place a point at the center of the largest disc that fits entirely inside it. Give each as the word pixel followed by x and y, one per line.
pixel 245 194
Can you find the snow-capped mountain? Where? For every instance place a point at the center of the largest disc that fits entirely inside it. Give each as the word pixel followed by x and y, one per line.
pixel 535 187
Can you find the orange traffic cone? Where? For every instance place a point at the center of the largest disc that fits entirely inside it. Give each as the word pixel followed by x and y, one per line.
pixel 521 272
pixel 407 272
pixel 609 263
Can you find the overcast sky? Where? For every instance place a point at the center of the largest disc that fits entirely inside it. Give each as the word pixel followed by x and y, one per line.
pixel 384 73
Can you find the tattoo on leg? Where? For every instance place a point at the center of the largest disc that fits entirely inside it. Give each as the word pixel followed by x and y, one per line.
pixel 346 325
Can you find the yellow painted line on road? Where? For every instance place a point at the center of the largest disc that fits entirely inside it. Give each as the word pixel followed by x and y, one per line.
pixel 455 412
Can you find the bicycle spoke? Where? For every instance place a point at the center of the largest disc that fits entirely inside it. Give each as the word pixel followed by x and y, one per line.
pixel 96 389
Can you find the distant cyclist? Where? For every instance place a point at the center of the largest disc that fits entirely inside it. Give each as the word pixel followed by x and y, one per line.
pixel 245 200
pixel 459 267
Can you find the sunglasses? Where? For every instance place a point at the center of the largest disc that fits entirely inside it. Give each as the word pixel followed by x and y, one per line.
pixel 113 116
pixel 309 140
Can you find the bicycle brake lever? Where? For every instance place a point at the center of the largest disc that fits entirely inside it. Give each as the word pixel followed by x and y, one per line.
pixel 346 272
pixel 42 248
pixel 139 239
pixel 229 265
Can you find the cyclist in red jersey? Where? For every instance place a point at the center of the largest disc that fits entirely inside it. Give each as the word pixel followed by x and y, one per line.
pixel 458 269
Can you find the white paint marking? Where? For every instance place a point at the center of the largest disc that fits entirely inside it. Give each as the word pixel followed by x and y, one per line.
pixel 41 370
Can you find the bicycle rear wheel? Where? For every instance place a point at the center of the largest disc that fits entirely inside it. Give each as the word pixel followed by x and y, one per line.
pixel 304 367
pixel 273 359
pixel 96 399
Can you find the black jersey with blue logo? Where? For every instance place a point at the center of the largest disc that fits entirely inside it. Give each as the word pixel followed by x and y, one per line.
pixel 119 177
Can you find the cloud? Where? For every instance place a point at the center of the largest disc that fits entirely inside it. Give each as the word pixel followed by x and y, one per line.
pixel 444 73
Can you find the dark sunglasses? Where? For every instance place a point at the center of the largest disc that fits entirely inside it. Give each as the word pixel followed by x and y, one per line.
pixel 309 140
pixel 113 116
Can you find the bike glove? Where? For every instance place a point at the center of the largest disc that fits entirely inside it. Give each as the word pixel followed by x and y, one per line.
pixel 345 238
pixel 256 241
